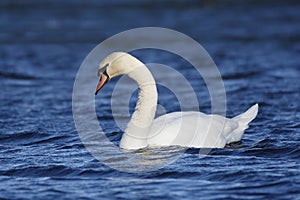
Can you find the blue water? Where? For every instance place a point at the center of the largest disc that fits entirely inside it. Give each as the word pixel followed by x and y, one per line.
pixel 256 46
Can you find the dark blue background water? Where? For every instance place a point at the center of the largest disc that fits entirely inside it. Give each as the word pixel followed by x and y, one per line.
pixel 256 45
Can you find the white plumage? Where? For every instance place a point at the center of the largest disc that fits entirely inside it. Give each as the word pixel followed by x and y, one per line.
pixel 187 129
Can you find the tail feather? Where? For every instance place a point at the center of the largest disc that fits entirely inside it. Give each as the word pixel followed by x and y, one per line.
pixel 243 120
pixel 248 116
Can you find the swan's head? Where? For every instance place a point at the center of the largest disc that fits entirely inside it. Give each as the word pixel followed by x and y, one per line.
pixel 115 64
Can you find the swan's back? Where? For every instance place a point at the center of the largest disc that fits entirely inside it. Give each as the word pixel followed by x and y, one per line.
pixel 190 129
pixel 196 129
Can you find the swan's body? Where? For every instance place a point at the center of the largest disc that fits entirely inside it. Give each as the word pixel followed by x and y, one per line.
pixel 187 129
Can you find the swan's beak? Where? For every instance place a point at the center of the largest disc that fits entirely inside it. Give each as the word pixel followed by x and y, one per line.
pixel 102 81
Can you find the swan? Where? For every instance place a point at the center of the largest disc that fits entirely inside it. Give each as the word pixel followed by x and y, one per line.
pixel 186 129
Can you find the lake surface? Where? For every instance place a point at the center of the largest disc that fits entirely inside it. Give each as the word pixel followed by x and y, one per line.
pixel 256 46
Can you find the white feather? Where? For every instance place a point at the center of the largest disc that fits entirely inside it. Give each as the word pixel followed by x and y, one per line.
pixel 187 129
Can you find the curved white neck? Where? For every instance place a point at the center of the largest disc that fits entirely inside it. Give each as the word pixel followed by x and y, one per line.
pixel 135 136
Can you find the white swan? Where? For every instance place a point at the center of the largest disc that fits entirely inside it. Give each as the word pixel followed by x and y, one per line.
pixel 187 129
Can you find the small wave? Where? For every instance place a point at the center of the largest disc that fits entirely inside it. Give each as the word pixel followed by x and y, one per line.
pixel 13 75
pixel 239 75
pixel 274 152
pixel 95 173
pixel 29 138
pixel 174 174
pixel 44 171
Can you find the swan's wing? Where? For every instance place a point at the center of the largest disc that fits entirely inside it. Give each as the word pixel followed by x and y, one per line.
pixel 190 129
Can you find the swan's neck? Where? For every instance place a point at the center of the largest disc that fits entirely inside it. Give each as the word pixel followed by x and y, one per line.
pixel 135 136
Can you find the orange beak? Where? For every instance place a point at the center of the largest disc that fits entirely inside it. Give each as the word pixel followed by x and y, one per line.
pixel 102 81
